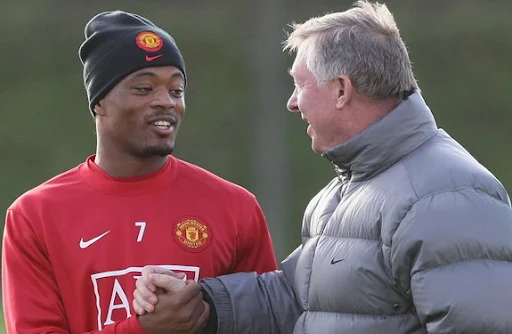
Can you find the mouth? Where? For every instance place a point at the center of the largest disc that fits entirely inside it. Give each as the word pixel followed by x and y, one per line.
pixel 309 128
pixel 163 125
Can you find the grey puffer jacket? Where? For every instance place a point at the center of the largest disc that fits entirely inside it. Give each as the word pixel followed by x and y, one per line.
pixel 413 236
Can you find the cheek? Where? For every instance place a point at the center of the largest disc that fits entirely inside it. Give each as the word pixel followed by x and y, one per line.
pixel 309 103
pixel 126 123
pixel 303 101
pixel 180 107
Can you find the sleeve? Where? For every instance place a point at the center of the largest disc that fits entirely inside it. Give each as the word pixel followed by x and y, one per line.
pixel 254 245
pixel 264 303
pixel 31 297
pixel 452 253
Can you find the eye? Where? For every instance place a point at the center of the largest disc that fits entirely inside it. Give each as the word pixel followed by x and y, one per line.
pixel 143 90
pixel 177 92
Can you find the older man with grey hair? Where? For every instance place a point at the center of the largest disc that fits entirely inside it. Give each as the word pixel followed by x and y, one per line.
pixel 413 235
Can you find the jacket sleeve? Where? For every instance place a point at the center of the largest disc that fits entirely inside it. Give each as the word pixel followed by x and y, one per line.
pixel 252 303
pixel 452 253
pixel 254 244
pixel 31 297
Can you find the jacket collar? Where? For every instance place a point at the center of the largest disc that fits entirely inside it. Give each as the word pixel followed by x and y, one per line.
pixel 386 141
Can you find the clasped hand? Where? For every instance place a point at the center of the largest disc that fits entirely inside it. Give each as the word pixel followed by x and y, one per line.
pixel 165 303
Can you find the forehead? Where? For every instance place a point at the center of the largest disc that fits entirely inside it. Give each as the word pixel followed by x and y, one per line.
pixel 160 73
pixel 299 69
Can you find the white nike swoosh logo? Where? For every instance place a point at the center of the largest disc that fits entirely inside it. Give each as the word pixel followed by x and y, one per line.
pixel 85 244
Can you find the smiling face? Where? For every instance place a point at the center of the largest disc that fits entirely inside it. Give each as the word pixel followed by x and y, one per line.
pixel 318 105
pixel 335 111
pixel 141 115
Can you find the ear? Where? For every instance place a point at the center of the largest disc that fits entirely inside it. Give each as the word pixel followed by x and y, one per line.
pixel 99 110
pixel 344 90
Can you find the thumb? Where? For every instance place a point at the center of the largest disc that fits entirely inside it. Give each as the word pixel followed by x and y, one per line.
pixel 177 275
pixel 167 282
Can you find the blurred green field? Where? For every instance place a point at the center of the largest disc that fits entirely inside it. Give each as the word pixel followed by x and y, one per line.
pixel 455 46
pixel 2 325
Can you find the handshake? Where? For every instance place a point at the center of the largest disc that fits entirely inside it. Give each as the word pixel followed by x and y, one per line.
pixel 167 303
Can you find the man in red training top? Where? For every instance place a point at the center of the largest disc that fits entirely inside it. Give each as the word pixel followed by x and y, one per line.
pixel 74 246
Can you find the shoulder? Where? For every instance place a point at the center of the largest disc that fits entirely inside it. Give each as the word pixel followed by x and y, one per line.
pixel 442 165
pixel 58 187
pixel 203 180
pixel 456 196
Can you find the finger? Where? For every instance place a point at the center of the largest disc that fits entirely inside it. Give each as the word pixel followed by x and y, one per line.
pixel 184 313
pixel 144 281
pixel 189 297
pixel 191 290
pixel 169 283
pixel 145 291
pixel 184 303
pixel 203 318
pixel 198 322
pixel 148 270
pixel 137 308
pixel 198 313
pixel 181 276
pixel 141 302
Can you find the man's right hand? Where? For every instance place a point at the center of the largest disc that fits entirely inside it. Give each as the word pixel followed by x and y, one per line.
pixel 176 312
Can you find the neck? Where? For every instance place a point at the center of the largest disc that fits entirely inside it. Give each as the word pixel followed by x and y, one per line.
pixel 122 165
pixel 376 109
pixel 364 112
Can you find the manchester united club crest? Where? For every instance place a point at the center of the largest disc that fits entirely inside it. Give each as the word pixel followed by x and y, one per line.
pixel 149 41
pixel 193 235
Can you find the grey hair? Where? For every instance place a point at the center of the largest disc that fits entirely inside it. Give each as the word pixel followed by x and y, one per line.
pixel 362 43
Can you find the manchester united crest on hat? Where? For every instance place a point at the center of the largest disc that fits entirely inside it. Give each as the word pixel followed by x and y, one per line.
pixel 149 41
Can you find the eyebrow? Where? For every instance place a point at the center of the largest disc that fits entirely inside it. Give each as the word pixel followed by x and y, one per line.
pixel 175 75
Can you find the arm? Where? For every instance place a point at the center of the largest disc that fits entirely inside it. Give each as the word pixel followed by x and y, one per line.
pixel 254 253
pixel 254 245
pixel 31 297
pixel 453 253
pixel 172 305
pixel 264 303
pixel 177 311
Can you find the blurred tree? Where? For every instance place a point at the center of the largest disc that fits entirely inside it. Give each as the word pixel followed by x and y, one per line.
pixel 270 154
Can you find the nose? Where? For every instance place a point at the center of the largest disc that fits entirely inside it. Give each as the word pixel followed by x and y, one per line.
pixel 163 99
pixel 292 102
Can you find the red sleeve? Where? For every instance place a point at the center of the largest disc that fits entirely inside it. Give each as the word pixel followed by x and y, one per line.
pixel 31 298
pixel 255 250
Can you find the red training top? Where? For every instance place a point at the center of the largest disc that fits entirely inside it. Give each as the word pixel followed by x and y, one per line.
pixel 74 246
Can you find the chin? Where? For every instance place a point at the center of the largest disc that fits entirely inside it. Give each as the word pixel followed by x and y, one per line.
pixel 320 149
pixel 316 149
pixel 158 151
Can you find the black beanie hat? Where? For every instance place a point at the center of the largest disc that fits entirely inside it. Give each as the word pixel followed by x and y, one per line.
pixel 119 43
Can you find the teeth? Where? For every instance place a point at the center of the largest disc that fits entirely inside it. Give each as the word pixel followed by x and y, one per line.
pixel 162 124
